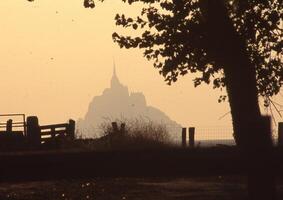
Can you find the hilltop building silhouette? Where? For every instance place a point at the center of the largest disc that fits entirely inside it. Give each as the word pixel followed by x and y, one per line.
pixel 117 103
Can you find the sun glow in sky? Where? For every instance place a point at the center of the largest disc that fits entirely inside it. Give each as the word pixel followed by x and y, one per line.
pixel 57 55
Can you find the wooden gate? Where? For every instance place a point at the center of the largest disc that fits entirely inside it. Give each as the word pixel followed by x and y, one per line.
pixel 37 134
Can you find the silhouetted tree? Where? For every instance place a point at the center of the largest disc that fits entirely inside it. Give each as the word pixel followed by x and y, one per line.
pixel 235 44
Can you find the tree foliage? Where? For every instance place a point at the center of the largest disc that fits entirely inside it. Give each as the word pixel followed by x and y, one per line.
pixel 174 35
pixel 89 4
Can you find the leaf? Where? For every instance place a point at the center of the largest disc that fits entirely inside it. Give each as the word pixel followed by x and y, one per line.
pixel 89 4
pixel 135 26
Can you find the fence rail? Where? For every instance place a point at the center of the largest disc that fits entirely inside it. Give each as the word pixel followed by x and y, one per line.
pixel 54 126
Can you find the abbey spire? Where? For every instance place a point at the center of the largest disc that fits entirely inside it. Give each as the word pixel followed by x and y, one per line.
pixel 114 80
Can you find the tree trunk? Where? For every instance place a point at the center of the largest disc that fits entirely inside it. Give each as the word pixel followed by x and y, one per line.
pixel 251 130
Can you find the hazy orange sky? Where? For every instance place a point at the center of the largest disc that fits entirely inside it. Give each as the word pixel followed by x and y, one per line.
pixel 57 55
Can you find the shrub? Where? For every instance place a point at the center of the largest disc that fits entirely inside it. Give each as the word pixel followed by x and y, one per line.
pixel 139 133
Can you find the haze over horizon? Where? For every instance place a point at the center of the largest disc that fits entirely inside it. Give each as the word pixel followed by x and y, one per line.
pixel 57 56
pixel 118 104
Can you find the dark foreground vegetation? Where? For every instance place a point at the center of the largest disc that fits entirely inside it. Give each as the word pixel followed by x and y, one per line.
pixel 170 162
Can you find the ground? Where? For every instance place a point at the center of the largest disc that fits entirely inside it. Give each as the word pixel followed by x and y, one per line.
pixel 211 188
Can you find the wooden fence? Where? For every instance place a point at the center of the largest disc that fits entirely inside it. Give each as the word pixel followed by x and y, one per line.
pixel 37 134
pixel 32 133
pixel 191 132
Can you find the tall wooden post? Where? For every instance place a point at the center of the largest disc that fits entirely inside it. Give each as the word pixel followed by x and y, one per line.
pixel 9 126
pixel 191 136
pixel 113 134
pixel 280 134
pixel 184 137
pixel 71 129
pixel 33 131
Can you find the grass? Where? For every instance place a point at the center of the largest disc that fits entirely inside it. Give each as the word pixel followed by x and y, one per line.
pixel 139 133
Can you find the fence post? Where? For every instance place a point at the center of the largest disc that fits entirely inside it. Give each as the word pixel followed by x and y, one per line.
pixel 53 136
pixel 280 134
pixel 184 137
pixel 192 136
pixel 71 129
pixel 115 127
pixel 9 126
pixel 123 128
pixel 33 131
pixel 53 133
pixel 113 134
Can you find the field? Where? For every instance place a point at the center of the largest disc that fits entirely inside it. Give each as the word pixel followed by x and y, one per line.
pixel 169 174
pixel 128 188
pixel 209 188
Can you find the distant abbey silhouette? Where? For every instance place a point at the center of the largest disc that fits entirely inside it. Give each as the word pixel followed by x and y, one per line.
pixel 117 103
